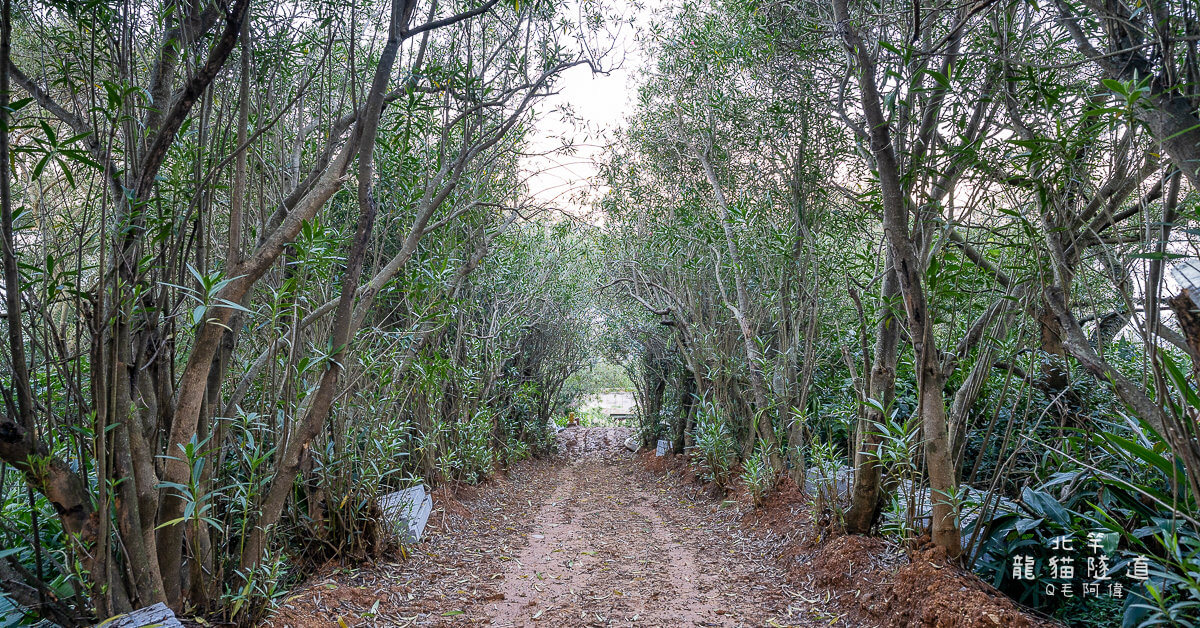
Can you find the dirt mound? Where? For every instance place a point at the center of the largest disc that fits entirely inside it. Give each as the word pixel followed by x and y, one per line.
pixel 672 465
pixel 843 562
pixel 925 593
pixel 863 581
pixel 786 509
pixel 898 588
pixel 657 464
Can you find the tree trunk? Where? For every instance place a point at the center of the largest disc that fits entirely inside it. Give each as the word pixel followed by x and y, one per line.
pixel 344 318
pixel 909 271
pixel 763 427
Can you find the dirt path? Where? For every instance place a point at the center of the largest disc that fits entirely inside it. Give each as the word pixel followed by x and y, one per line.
pixel 610 547
pixel 590 539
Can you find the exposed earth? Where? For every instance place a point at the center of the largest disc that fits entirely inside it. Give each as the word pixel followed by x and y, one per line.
pixel 594 538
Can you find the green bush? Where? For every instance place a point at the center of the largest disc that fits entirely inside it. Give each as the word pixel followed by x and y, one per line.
pixel 716 450
pixel 757 474
pixel 825 460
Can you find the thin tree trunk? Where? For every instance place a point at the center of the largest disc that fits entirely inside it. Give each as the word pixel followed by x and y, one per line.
pixel 343 321
pixel 868 474
pixel 19 443
pixel 764 429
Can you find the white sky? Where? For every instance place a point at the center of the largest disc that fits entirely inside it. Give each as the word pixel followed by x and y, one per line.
pixel 587 111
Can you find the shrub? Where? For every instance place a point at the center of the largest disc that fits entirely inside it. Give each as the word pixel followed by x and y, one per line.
pixel 716 450
pixel 757 474
pixel 826 462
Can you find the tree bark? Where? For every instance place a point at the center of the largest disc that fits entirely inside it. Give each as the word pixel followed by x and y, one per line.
pixel 909 271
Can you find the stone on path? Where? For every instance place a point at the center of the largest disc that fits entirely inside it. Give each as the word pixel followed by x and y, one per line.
pixel 408 510
pixel 631 444
pixel 663 447
pixel 157 615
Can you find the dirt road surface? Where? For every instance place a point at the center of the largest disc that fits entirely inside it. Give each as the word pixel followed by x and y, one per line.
pixel 589 539
pixel 611 547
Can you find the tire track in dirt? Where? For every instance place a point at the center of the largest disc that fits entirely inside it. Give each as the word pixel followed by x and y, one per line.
pixel 587 539
pixel 607 548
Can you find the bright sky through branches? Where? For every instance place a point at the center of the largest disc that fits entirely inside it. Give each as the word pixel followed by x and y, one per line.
pixel 586 113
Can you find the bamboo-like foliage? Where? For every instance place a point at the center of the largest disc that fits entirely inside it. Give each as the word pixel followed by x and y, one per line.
pixel 252 284
pixel 934 237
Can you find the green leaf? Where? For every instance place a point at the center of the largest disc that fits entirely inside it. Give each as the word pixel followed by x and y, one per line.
pixel 1116 86
pixel 17 105
pixel 66 172
pixel 940 78
pixel 231 305
pixel 1025 525
pixel 891 48
pixel 1046 506
pixel 1143 454
pixel 198 314
pixel 1159 256
pixel 41 165
pixel 49 131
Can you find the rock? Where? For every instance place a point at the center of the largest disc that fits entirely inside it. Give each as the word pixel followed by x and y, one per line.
pixel 831 483
pixel 663 447
pixel 1187 274
pixel 408 511
pixel 631 444
pixel 157 615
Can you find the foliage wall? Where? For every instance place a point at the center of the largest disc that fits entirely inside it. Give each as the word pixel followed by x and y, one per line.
pixel 264 263
pixel 929 244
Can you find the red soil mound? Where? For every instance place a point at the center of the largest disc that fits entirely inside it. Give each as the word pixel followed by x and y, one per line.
pixel 868 580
